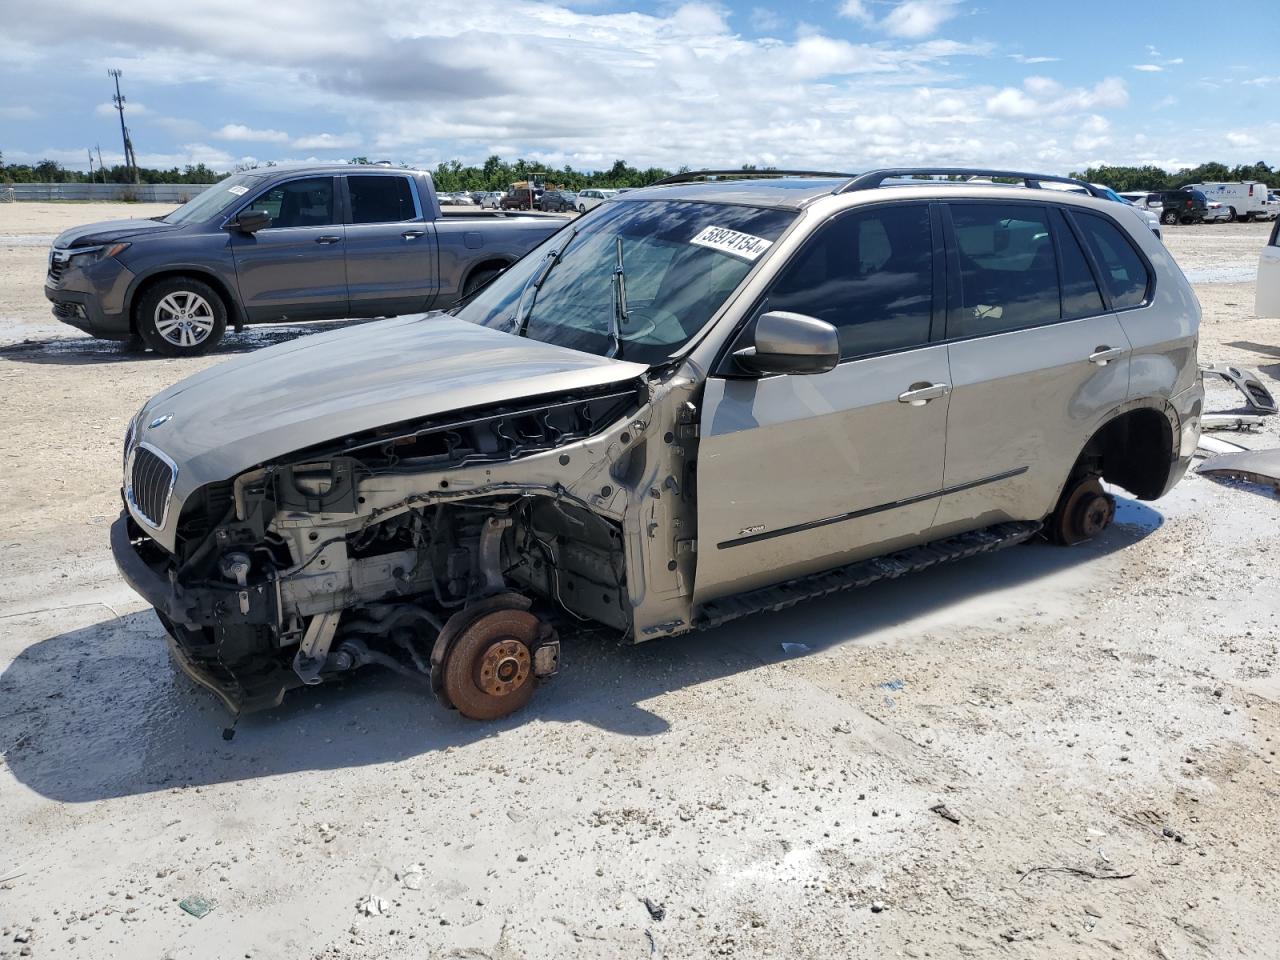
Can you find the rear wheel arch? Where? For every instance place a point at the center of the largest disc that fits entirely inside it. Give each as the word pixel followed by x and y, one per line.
pixel 480 273
pixel 1135 448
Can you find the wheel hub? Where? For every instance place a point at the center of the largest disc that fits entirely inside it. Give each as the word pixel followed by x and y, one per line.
pixel 503 667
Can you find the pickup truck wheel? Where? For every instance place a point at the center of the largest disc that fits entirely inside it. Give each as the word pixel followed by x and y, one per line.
pixel 181 317
pixel 478 280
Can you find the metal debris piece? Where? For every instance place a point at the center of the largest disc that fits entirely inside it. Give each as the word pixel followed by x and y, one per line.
pixel 1209 446
pixel 197 906
pixel 941 810
pixel 795 649
pixel 1248 382
pixel 372 906
pixel 1230 421
pixel 1257 466
pixel 656 910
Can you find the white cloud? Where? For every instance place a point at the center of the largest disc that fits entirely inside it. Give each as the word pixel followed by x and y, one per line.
pixel 1263 81
pixel 18 113
pixel 131 109
pixel 1020 58
pixel 240 132
pixel 764 20
pixel 1148 67
pixel 914 19
pixel 855 10
pixel 328 141
pixel 1042 96
pixel 1238 138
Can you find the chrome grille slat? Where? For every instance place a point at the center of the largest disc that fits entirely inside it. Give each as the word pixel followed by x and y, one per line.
pixel 150 484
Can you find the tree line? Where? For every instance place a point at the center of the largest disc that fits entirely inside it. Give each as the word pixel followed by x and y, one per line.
pixel 1154 178
pixel 498 174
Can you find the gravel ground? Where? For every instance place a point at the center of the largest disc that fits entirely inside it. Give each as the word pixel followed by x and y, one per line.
pixel 1101 721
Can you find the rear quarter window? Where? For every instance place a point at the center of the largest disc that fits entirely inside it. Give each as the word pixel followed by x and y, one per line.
pixel 1124 273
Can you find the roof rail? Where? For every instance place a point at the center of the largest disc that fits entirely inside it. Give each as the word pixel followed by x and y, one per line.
pixel 876 178
pixel 691 175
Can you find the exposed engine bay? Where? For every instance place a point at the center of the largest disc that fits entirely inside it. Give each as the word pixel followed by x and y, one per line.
pixel 413 549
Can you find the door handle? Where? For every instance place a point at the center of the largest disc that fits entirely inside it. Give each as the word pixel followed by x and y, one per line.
pixel 327 239
pixel 1103 355
pixel 411 234
pixel 918 394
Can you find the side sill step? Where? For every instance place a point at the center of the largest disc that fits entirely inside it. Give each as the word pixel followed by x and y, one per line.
pixel 787 594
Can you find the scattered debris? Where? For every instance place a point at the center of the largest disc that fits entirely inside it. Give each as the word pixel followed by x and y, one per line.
pixel 372 906
pixel 1256 466
pixel 894 685
pixel 796 649
pixel 1172 834
pixel 327 833
pixel 843 727
pixel 197 906
pixel 1248 382
pixel 941 810
pixel 1093 911
pixel 656 910
pixel 879 906
pixel 1230 421
pixel 412 876
pixel 1078 871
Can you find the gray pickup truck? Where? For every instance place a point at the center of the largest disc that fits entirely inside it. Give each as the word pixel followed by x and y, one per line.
pixel 298 243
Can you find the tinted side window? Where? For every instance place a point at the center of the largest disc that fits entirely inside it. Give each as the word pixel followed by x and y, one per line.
pixel 1080 294
pixel 870 275
pixel 1123 271
pixel 1008 273
pixel 298 203
pixel 381 199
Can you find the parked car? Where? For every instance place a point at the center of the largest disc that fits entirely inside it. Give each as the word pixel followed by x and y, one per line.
pixel 556 201
pixel 1145 200
pixel 1244 200
pixel 1182 206
pixel 491 200
pixel 1142 213
pixel 1215 212
pixel 520 198
pixel 718 399
pixel 592 197
pixel 1267 291
pixel 284 244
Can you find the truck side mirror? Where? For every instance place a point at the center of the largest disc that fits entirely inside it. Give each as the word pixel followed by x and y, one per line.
pixel 250 221
pixel 790 343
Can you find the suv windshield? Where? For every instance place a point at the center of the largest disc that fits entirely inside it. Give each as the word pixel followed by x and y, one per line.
pixel 681 261
pixel 211 202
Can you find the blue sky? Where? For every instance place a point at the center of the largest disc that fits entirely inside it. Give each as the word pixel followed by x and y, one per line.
pixel 845 84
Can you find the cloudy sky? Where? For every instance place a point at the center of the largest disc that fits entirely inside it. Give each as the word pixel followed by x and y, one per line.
pixel 833 84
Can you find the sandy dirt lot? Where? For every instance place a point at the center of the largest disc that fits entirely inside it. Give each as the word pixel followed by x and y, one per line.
pixel 1102 721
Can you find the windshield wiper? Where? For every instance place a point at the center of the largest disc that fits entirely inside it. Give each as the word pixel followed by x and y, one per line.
pixel 536 281
pixel 620 312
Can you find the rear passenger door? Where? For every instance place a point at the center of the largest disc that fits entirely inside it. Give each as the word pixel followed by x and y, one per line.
pixel 1037 359
pixel 391 247
pixel 802 473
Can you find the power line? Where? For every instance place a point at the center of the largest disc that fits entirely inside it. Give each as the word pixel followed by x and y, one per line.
pixel 131 161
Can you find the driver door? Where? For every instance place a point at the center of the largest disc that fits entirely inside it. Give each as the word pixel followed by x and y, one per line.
pixel 294 269
pixel 801 473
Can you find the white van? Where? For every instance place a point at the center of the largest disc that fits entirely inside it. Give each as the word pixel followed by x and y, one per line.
pixel 1245 200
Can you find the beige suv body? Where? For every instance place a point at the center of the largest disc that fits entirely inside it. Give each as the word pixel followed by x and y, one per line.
pixel 702 401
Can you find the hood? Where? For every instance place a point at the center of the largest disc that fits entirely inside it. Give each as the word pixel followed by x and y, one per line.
pixel 109 231
pixel 267 404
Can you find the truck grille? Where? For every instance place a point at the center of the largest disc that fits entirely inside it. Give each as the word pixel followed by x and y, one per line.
pixel 151 477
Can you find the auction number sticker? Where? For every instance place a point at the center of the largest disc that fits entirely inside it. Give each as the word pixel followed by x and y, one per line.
pixel 732 242
pixel 238 190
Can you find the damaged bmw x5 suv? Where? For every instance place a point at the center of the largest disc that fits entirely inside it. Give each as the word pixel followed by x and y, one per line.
pixel 702 400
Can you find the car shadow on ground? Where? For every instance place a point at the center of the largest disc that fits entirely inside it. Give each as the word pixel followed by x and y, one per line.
pixel 75 351
pixel 1267 350
pixel 99 712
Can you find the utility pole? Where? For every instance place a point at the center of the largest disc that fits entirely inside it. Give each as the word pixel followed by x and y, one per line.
pixel 98 147
pixel 130 160
pixel 92 178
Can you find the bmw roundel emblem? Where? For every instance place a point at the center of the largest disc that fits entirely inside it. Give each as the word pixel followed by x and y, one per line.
pixel 160 420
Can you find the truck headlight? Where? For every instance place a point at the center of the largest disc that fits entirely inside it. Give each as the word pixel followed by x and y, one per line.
pixel 84 255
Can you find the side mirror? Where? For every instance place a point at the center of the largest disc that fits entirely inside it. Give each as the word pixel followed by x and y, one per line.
pixel 790 343
pixel 250 221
